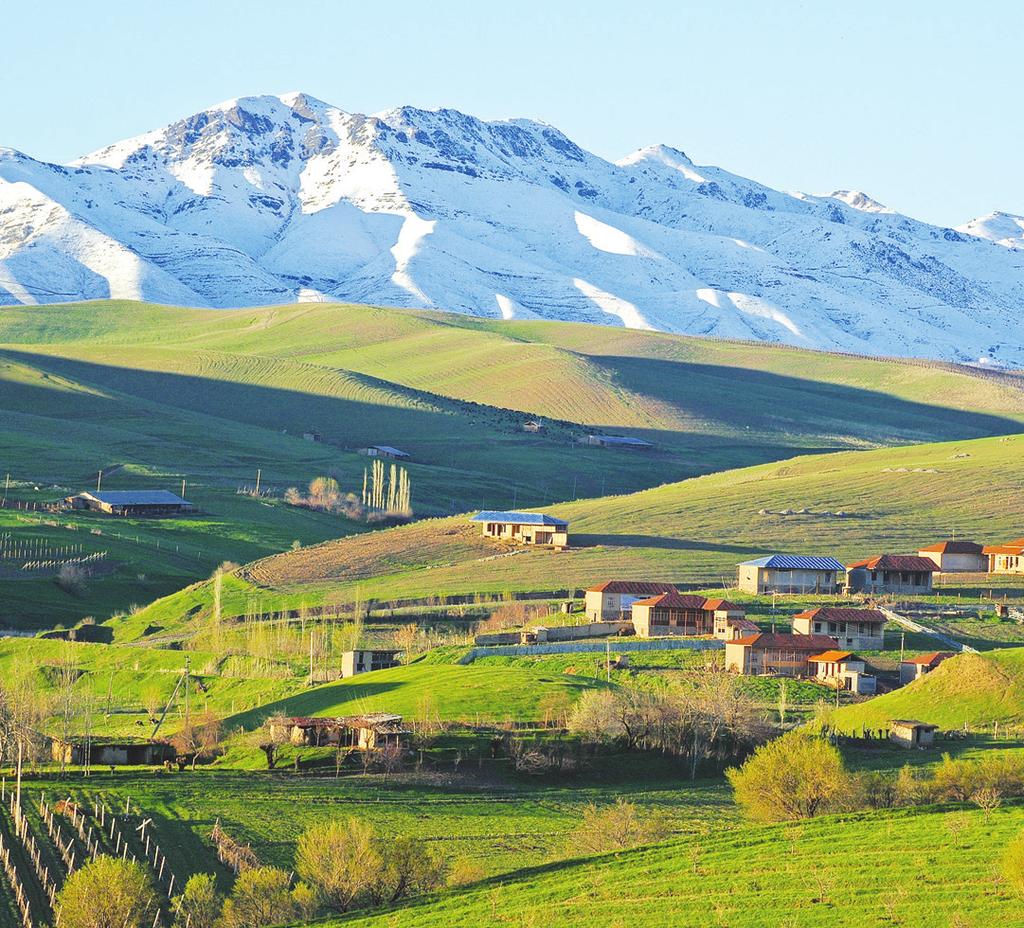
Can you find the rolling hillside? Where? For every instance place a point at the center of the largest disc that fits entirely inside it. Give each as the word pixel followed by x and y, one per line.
pixel 155 395
pixel 850 504
pixel 887 867
pixel 972 690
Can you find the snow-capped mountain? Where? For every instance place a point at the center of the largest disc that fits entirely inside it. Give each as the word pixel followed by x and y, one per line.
pixel 274 199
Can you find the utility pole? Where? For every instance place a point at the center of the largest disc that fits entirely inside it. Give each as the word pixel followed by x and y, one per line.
pixel 259 473
pixel 99 479
pixel 903 641
pixel 182 487
pixel 186 692
pixel 608 661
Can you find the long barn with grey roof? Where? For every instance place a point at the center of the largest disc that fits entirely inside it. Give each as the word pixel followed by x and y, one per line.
pixel 130 502
pixel 524 528
pixel 791 573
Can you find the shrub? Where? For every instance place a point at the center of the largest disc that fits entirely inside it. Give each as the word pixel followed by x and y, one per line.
pixel 1013 864
pixel 261 897
pixel 613 828
pixel 199 905
pixel 955 779
pixel 340 859
pixel 796 776
pixel 107 892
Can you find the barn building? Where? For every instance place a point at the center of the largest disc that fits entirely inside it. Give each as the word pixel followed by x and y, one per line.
pixel 619 441
pixel 384 451
pixel 111 752
pixel 359 732
pixel 363 661
pixel 790 573
pixel 131 503
pixel 910 733
pixel 524 528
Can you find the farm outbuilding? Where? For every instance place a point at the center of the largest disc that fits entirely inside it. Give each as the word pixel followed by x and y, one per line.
pixel 111 752
pixel 619 441
pixel 364 660
pixel 892 573
pixel 312 436
pixel 1006 558
pixel 915 667
pixel 790 573
pixel 956 556
pixel 680 614
pixel 910 733
pixel 779 654
pixel 614 599
pixel 130 502
pixel 533 425
pixel 853 628
pixel 384 451
pixel 524 528
pixel 359 732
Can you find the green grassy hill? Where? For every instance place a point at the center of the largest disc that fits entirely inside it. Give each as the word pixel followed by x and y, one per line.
pixel 157 394
pixel 893 500
pixel 970 689
pixel 899 868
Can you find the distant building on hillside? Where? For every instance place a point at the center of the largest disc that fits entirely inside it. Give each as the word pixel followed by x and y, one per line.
pixel 910 733
pixel 730 627
pixel 365 660
pixel 892 573
pixel 383 451
pixel 524 528
pixel 359 732
pixel 114 752
pixel 312 436
pixel 681 614
pixel 1007 558
pixel 957 556
pixel 614 599
pixel 131 503
pixel 779 654
pixel 533 425
pixel 915 667
pixel 843 670
pixel 863 629
pixel 790 573
pixel 619 441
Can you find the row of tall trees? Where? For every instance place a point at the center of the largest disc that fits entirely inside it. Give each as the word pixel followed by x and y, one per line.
pixel 387 491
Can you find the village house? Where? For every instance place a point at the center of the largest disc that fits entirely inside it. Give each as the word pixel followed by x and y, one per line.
pixel 790 573
pixel 359 732
pixel 915 667
pixel 843 670
pixel 862 629
pixel 383 451
pixel 680 614
pixel 892 573
pixel 614 599
pixel 524 528
pixel 730 627
pixel 363 661
pixel 909 733
pixel 151 503
pixel 112 752
pixel 619 441
pixel 1007 558
pixel 953 557
pixel 779 654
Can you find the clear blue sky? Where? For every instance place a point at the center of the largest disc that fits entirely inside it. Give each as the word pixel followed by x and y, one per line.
pixel 917 103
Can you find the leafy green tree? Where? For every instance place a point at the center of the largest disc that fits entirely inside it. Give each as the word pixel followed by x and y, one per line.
pixel 409 868
pixel 107 893
pixel 793 777
pixel 341 859
pixel 199 905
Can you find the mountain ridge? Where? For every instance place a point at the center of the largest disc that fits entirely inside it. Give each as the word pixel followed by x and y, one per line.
pixel 273 199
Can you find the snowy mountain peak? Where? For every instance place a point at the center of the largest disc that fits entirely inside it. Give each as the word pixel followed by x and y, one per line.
pixel 270 199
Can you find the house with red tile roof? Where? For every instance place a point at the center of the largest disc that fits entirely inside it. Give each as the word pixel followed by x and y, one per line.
pixel 1006 558
pixel 952 557
pixel 892 573
pixel 681 614
pixel 915 667
pixel 780 654
pixel 613 599
pixel 843 670
pixel 862 629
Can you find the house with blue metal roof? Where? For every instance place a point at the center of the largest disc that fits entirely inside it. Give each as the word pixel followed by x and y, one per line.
pixel 524 528
pixel 791 573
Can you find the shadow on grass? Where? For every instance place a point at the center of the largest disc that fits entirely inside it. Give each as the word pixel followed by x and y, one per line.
pixel 309 703
pixel 659 541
